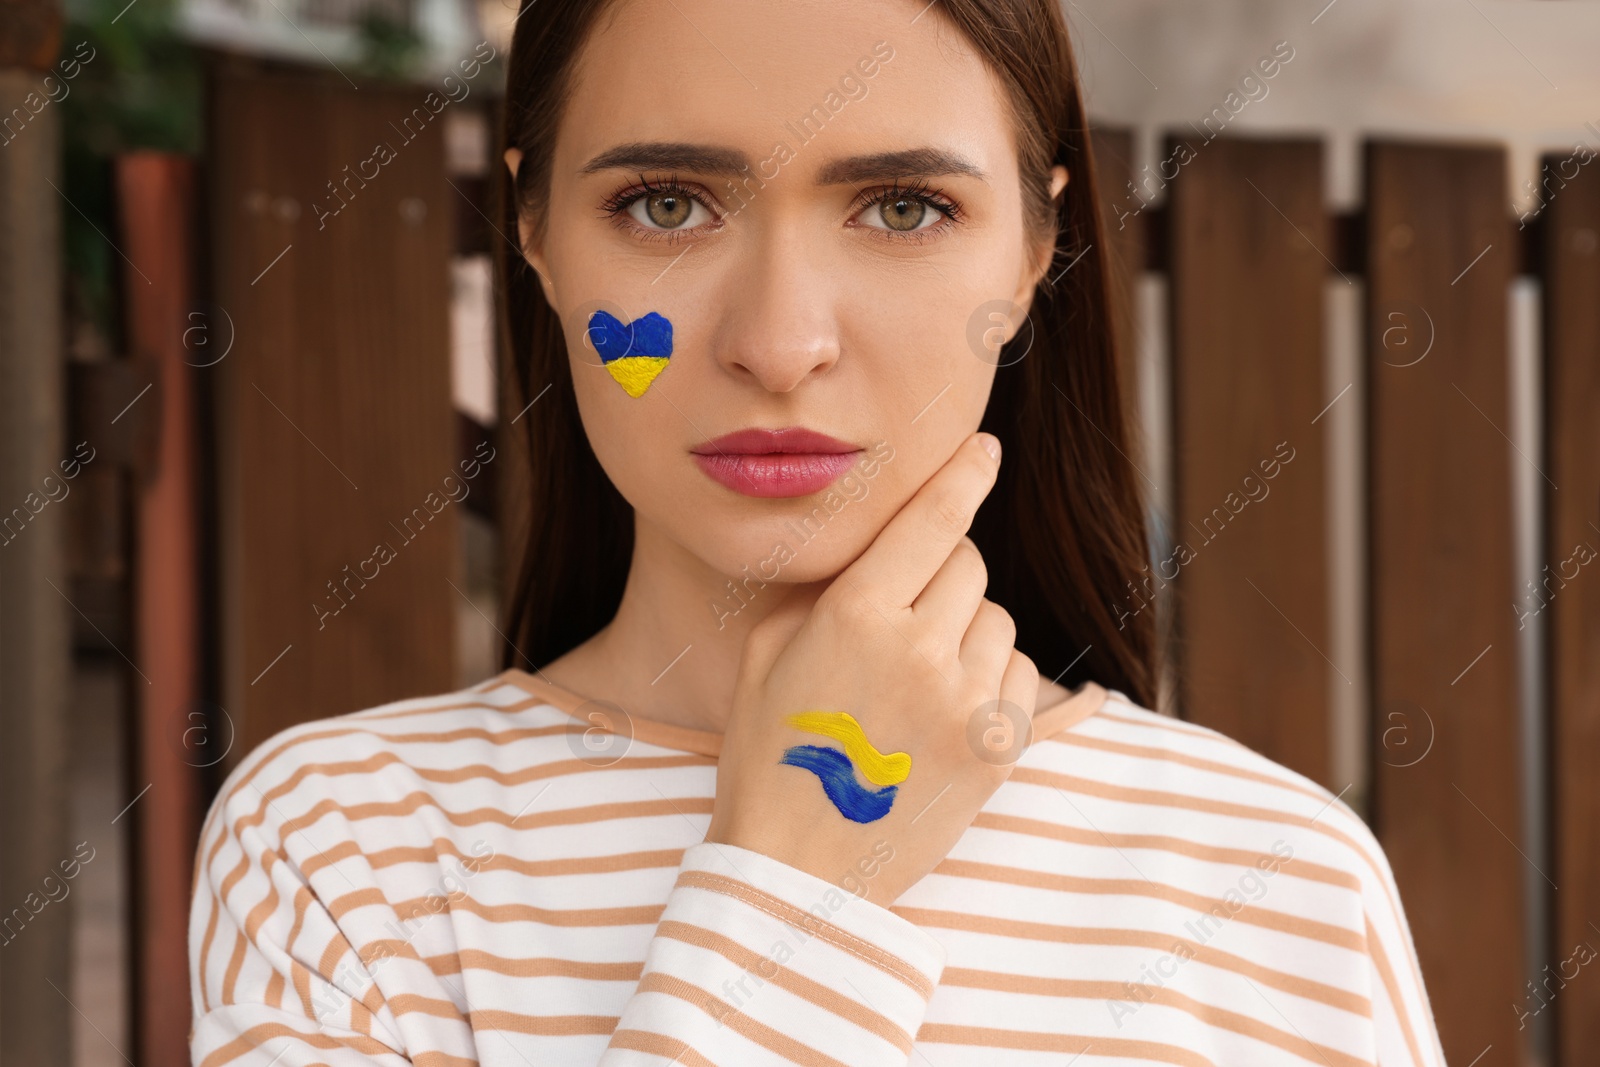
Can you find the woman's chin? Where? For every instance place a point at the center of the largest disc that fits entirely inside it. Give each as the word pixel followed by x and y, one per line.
pixel 784 555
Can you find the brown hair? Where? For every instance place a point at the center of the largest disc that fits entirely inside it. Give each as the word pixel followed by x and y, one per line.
pixel 1063 532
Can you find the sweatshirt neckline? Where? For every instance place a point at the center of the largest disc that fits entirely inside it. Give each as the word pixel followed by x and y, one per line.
pixel 1084 702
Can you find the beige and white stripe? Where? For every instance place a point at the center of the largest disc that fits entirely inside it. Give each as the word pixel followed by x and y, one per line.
pixel 445 881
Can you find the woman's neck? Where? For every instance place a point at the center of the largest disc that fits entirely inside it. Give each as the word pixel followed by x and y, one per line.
pixel 671 653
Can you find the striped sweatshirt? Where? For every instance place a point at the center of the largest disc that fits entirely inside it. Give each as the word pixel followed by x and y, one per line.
pixel 496 876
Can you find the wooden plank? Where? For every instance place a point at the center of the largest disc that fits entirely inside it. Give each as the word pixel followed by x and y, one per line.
pixel 156 198
pixel 34 627
pixel 1568 595
pixel 1443 644
pixel 1247 223
pixel 338 526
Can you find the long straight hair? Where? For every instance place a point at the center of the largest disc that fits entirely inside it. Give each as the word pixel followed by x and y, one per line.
pixel 1063 531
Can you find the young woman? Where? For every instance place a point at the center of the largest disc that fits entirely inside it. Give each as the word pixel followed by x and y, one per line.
pixel 784 767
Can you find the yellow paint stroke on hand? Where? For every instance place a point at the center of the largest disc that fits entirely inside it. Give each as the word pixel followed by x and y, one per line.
pixel 635 373
pixel 877 768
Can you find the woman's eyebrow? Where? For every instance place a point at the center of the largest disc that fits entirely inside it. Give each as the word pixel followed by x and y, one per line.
pixel 669 155
pixel 907 163
pixel 715 159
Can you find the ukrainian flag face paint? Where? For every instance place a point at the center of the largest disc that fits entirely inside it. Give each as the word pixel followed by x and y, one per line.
pixel 633 352
pixel 837 770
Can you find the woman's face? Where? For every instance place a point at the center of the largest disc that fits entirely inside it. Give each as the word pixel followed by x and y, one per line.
pixel 823 200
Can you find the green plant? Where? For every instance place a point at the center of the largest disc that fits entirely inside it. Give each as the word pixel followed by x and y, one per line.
pixel 140 88
pixel 389 48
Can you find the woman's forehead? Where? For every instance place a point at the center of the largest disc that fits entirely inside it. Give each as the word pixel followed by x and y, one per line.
pixel 829 80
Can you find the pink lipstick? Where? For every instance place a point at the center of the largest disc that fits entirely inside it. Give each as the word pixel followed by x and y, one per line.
pixel 793 461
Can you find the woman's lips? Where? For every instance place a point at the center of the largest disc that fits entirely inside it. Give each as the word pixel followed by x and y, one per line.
pixel 793 461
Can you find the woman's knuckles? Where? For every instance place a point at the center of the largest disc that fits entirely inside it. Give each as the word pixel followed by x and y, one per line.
pixel 841 616
pixel 950 515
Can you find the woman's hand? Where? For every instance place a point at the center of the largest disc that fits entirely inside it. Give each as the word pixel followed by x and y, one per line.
pixel 905 644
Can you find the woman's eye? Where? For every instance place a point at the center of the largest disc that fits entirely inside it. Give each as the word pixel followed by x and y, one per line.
pixel 668 211
pixel 901 213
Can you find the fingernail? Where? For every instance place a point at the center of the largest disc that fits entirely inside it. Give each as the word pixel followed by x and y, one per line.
pixel 991 445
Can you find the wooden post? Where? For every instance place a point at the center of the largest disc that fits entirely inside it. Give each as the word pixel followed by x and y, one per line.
pixel 1446 801
pixel 337 432
pixel 1248 235
pixel 35 1015
pixel 171 737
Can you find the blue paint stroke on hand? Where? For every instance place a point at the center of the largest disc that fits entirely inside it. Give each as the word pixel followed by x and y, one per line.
pixel 648 335
pixel 854 801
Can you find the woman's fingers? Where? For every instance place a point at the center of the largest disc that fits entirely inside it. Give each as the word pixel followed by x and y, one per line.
pixel 951 598
pixel 904 557
pixel 1019 685
pixel 989 642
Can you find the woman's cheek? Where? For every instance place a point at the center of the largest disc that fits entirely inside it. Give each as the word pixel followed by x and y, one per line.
pixel 620 429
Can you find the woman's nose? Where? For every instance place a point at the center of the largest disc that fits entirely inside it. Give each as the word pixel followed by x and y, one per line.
pixel 781 325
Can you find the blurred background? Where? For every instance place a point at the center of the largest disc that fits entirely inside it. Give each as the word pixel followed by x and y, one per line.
pixel 246 316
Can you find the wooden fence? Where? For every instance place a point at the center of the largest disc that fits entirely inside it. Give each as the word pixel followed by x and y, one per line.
pixel 1248 249
pixel 339 326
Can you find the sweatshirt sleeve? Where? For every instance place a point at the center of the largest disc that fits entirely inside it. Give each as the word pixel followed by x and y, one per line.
pixel 752 963
pixel 272 978
pixel 1404 1033
pixel 758 963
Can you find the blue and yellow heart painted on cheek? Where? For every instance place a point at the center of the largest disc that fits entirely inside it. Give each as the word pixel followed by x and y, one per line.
pixel 633 352
pixel 837 769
